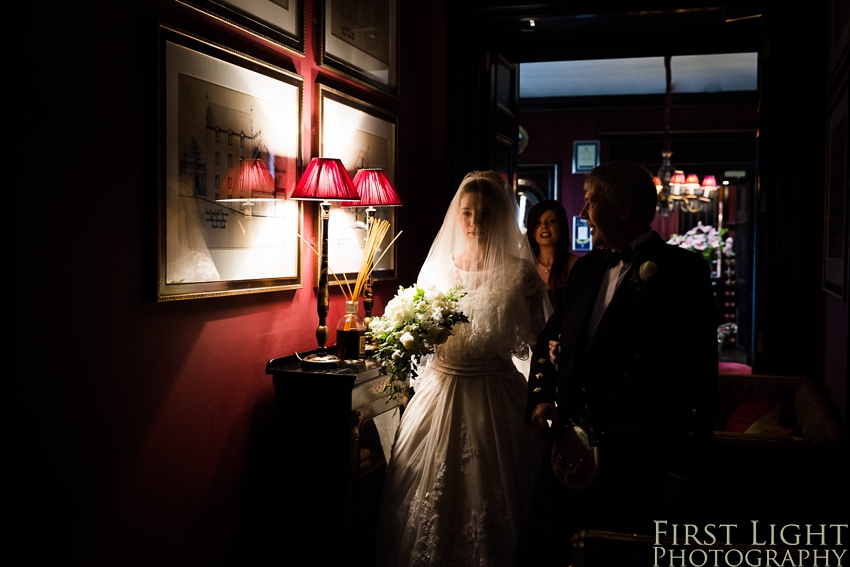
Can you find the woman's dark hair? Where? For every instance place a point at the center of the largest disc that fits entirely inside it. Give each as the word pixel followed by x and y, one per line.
pixel 558 273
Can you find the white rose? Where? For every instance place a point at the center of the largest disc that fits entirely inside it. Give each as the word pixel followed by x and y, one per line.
pixel 647 270
pixel 377 325
pixel 431 292
pixel 408 341
pixel 409 294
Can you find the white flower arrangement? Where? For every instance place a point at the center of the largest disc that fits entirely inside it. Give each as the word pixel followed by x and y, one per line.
pixel 704 240
pixel 414 322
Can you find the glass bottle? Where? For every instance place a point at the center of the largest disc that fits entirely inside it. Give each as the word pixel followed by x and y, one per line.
pixel 350 334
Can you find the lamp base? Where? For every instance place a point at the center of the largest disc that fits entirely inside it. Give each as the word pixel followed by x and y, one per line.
pixel 320 361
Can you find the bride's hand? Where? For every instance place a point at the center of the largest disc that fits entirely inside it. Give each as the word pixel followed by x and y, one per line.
pixel 545 422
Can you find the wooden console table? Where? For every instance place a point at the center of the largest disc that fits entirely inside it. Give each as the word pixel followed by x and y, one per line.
pixel 319 414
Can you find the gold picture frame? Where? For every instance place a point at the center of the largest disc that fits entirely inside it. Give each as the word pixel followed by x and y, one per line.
pixel 218 108
pixel 277 21
pixel 360 40
pixel 361 135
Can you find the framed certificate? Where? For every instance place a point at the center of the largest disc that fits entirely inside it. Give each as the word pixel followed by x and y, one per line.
pixel 585 155
pixel 581 236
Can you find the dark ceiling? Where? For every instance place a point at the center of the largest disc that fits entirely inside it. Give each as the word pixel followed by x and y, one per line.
pixel 601 30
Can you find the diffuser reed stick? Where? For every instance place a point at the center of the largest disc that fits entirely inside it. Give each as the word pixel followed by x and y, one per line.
pixel 374 236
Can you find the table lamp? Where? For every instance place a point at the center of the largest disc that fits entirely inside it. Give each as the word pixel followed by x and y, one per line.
pixel 325 180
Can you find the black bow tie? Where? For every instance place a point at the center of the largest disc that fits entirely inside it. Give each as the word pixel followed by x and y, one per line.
pixel 613 258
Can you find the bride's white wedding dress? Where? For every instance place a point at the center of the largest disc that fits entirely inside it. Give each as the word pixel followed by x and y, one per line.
pixel 463 462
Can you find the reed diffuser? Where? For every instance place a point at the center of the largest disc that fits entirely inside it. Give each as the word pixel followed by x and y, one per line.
pixel 351 329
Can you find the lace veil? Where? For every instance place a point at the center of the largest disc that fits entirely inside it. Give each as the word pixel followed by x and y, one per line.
pixel 481 247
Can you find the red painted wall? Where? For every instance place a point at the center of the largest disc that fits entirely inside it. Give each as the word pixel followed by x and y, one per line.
pixel 138 420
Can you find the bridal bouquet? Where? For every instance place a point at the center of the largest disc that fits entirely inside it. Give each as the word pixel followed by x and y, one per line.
pixel 704 240
pixel 414 322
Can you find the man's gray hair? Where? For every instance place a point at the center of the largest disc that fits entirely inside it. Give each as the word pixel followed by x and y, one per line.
pixel 622 183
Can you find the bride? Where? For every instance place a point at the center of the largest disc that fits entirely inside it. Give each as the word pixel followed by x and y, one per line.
pixel 463 461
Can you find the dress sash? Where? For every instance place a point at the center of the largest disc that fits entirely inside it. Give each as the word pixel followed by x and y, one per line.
pixel 474 367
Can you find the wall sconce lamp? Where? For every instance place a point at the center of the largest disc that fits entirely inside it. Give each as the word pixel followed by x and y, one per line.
pixel 375 190
pixel 325 180
pixel 251 182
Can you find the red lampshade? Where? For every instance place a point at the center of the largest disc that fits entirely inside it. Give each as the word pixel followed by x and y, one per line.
pixel 375 190
pixel 709 182
pixel 325 180
pixel 678 178
pixel 692 184
pixel 249 180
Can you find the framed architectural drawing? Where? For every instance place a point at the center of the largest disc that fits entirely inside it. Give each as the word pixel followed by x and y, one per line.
pixel 361 135
pixel 221 231
pixel 360 39
pixel 278 21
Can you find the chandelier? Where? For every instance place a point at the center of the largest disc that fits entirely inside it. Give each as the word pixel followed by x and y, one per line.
pixel 686 193
pixel 675 190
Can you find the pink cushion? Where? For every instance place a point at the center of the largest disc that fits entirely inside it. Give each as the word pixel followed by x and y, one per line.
pixel 733 368
pixel 751 410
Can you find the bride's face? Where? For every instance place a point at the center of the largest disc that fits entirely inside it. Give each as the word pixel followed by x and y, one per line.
pixel 474 217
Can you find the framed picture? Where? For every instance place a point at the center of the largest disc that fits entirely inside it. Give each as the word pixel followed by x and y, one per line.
pixel 581 236
pixel 221 111
pixel 585 155
pixel 361 135
pixel 835 265
pixel 535 183
pixel 278 21
pixel 360 39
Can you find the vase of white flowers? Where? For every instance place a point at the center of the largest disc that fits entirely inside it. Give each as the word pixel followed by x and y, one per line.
pixel 414 322
pixel 704 240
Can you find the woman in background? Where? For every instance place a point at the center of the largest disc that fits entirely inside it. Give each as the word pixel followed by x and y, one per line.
pixel 547 221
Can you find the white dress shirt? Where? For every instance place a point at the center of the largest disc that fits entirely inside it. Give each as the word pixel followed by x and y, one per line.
pixel 610 282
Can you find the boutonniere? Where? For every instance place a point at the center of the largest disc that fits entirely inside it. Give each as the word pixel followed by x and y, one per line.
pixel 644 274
